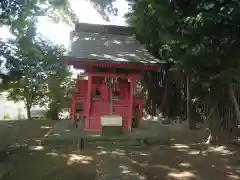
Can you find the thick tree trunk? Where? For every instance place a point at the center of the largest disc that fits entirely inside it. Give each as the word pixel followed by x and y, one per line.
pixel 164 99
pixel 53 111
pixel 213 127
pixel 217 135
pixel 190 119
pixel 235 103
pixel 54 115
pixel 166 85
pixel 28 107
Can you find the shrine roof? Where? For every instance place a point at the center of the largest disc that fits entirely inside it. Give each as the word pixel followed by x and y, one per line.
pixel 108 44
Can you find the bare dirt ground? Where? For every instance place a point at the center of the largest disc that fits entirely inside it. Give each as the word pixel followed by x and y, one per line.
pixel 187 159
pixel 184 159
pixel 12 132
pixel 51 164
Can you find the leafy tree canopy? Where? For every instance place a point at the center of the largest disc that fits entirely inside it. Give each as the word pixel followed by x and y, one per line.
pixel 36 59
pixel 198 37
pixel 21 16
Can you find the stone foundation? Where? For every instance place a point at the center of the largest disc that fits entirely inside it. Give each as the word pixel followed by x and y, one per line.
pixel 111 131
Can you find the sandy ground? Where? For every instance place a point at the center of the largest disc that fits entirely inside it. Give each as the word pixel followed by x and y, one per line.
pixel 184 159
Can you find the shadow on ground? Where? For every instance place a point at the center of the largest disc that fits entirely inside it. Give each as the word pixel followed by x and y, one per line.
pixel 185 158
pixel 38 162
pixel 189 162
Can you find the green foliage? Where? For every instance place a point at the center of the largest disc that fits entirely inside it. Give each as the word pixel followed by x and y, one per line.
pixel 60 86
pixel 30 59
pixel 6 116
pixel 35 73
pixel 105 8
pixel 200 38
pixel 21 16
pixel 17 13
pixel 36 59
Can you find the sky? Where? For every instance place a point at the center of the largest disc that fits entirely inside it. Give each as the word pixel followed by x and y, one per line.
pixel 59 33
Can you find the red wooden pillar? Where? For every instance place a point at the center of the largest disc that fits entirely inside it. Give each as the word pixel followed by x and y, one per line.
pixel 110 91
pixel 73 108
pixel 130 112
pixel 88 102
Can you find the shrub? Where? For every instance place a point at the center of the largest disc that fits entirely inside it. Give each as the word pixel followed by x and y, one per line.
pixel 6 116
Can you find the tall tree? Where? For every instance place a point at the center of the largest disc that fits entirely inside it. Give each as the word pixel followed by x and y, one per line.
pixel 60 86
pixel 19 15
pixel 105 8
pixel 203 40
pixel 35 59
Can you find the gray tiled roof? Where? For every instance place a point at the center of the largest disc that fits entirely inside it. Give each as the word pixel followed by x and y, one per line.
pixel 108 44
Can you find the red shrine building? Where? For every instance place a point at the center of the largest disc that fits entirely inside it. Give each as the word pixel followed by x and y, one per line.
pixel 112 60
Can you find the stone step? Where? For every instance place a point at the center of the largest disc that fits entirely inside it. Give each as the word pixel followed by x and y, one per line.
pixel 106 144
pixel 111 139
pixel 57 142
pixel 108 141
pixel 127 143
pixel 153 141
pixel 110 147
pixel 67 141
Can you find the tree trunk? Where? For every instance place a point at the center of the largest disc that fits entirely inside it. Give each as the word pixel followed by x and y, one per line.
pixel 54 115
pixel 191 121
pixel 213 132
pixel 235 103
pixel 53 111
pixel 154 108
pixel 164 99
pixel 28 111
pixel 217 136
pixel 166 84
